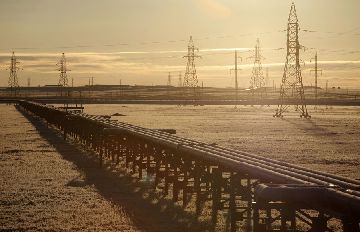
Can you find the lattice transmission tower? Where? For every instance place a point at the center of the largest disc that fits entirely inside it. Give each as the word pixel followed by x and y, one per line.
pixel 13 78
pixel 257 78
pixel 63 79
pixel 190 78
pixel 292 87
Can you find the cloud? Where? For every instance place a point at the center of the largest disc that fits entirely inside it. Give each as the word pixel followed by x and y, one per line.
pixel 142 67
pixel 77 62
pixel 214 8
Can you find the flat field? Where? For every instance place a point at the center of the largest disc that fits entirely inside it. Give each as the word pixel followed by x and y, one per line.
pixel 329 141
pixel 46 185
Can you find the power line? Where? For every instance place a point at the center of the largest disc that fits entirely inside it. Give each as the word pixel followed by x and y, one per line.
pixel 316 70
pixel 236 78
pixel 123 44
pixel 169 79
pixel 292 85
pixel 63 80
pixel 13 78
pixel 180 82
pixel 190 78
pixel 257 78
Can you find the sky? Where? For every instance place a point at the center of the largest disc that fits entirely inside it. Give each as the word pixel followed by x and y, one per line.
pixel 140 41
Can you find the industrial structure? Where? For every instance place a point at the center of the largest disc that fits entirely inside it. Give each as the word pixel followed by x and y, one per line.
pixel 250 192
pixel 169 79
pixel 292 89
pixel 180 82
pixel 316 70
pixel 246 191
pixel 236 78
pixel 63 79
pixel 257 79
pixel 13 82
pixel 190 79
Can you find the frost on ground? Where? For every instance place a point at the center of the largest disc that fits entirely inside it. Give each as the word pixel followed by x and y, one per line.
pixel 40 190
pixel 329 141
pixel 45 184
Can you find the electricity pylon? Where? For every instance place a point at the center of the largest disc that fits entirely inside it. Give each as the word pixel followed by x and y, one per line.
pixel 316 70
pixel 190 78
pixel 13 78
pixel 63 80
pixel 180 84
pixel 120 87
pixel 257 78
pixel 168 85
pixel 292 85
pixel 169 80
pixel 236 78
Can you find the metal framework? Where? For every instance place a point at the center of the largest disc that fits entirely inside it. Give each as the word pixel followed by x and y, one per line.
pixel 246 191
pixel 169 79
pixel 236 78
pixel 63 79
pixel 292 85
pixel 316 70
pixel 190 78
pixel 13 82
pixel 257 78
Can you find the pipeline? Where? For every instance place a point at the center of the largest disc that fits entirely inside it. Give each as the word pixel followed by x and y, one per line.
pixel 295 184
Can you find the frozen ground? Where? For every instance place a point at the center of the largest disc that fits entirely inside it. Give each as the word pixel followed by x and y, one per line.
pixel 47 184
pixel 329 141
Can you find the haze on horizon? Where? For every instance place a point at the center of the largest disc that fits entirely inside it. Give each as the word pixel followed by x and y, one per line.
pixel 141 41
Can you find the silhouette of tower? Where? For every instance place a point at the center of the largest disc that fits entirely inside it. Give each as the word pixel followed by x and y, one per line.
pixel 180 84
pixel 190 78
pixel 13 78
pixel 168 84
pixel 257 78
pixel 63 80
pixel 316 70
pixel 169 80
pixel 236 78
pixel 292 86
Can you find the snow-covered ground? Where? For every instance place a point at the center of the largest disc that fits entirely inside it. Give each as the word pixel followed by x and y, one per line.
pixel 41 188
pixel 329 141
pixel 48 184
